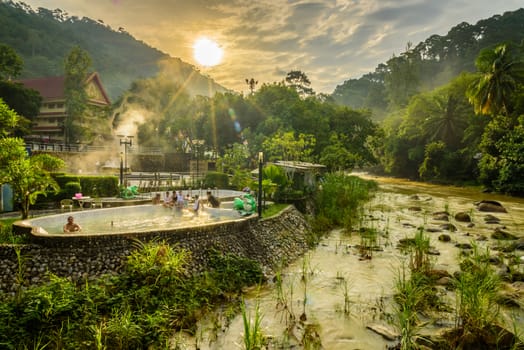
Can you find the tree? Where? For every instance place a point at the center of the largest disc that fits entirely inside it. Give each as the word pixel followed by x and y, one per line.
pixel 500 71
pixel 285 146
pixel 403 77
pixel 336 157
pixel 76 67
pixel 8 119
pixel 251 83
pixel 235 158
pixel 299 81
pixel 25 102
pixel 493 93
pixel 28 176
pixel 11 64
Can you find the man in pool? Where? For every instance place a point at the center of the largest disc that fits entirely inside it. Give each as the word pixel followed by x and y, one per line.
pixel 71 225
pixel 212 200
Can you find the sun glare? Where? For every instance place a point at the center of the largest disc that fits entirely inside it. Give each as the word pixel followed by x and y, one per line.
pixel 207 52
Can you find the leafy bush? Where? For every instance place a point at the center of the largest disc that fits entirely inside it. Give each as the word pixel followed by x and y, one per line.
pixel 216 179
pixel 70 189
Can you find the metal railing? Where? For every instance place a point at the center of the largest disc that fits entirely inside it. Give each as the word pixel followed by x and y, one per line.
pixel 80 147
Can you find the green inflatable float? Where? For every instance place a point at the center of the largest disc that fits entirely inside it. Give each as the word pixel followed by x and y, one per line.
pixel 245 205
pixel 129 192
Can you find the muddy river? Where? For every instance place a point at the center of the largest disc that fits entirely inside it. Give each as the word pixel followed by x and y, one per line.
pixel 343 293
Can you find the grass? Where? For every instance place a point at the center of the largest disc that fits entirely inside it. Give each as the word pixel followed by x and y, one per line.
pixel 6 232
pixel 273 209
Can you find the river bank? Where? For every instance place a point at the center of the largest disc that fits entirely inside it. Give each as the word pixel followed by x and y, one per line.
pixel 345 294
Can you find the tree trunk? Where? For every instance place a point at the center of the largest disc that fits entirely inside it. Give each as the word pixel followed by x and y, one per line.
pixel 25 207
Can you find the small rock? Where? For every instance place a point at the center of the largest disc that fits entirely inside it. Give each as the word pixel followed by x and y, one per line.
pixel 448 227
pixel 444 238
pixel 384 330
pixel 463 246
pixel 441 216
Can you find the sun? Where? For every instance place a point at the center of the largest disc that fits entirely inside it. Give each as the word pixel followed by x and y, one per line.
pixel 207 52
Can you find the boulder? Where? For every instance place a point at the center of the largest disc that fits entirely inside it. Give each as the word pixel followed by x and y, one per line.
pixel 491 206
pixel 490 219
pixel 503 235
pixel 462 217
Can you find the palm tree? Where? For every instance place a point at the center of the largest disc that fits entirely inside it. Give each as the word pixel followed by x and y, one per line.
pixel 446 119
pixel 500 70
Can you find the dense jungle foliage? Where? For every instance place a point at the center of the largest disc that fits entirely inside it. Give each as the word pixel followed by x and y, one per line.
pixel 450 108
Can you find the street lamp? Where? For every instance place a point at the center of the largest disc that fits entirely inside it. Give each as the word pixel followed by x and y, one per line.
pixel 126 141
pixel 260 164
pixel 197 144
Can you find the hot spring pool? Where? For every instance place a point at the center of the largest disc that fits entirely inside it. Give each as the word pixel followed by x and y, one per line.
pixel 140 218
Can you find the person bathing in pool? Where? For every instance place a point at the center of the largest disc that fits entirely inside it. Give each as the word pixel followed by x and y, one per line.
pixel 71 225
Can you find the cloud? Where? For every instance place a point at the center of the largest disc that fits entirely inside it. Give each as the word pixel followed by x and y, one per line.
pixel 330 40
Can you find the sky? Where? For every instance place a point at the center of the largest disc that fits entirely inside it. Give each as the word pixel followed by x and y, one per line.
pixel 331 41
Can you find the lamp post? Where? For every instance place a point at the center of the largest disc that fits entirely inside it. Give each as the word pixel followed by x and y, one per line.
pixel 121 170
pixel 197 144
pixel 126 141
pixel 260 164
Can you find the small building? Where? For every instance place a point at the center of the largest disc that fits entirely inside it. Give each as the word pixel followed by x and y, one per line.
pixel 49 125
pixel 303 174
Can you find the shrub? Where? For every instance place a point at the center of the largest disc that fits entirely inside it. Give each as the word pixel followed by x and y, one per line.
pixel 70 189
pixel 216 179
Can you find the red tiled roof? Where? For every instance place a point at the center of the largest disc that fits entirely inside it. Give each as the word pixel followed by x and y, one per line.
pixel 49 88
pixel 53 87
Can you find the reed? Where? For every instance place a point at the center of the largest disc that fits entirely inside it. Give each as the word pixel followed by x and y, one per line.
pixel 345 287
pixel 419 257
pixel 368 242
pixel 253 337
pixel 409 298
pixel 477 289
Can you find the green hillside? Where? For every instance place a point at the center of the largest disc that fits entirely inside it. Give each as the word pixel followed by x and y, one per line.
pixel 429 64
pixel 43 38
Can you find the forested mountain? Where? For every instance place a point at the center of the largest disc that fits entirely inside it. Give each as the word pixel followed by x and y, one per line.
pixel 429 64
pixel 43 39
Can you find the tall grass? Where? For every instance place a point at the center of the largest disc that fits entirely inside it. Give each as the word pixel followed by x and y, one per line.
pixel 141 308
pixel 419 257
pixel 477 289
pixel 253 336
pixel 339 200
pixel 410 299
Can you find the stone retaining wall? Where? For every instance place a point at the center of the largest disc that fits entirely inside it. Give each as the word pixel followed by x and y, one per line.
pixel 268 241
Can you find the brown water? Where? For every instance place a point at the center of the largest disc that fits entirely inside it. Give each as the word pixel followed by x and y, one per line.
pixel 335 273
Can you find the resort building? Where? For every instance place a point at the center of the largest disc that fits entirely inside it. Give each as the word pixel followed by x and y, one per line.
pixel 50 124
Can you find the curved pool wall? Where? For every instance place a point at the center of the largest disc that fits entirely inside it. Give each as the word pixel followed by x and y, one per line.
pixel 271 241
pixel 130 219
